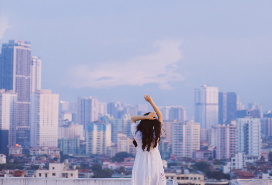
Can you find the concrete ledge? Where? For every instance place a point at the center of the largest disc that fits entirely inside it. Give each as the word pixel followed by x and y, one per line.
pixel 56 181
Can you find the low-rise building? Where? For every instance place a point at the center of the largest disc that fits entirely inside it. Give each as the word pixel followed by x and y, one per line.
pixel 203 154
pixel 15 150
pixel 189 178
pixel 236 162
pixel 57 170
pixel 44 150
pixel 3 159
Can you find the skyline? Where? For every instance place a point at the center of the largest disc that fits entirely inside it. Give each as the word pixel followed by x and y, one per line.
pixel 195 45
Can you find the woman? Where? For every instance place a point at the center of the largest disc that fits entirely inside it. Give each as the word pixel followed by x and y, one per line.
pixel 148 167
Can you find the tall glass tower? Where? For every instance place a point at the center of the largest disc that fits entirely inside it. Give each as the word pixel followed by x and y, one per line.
pixel 15 75
pixel 206 106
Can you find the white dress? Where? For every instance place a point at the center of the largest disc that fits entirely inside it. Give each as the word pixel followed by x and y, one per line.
pixel 148 167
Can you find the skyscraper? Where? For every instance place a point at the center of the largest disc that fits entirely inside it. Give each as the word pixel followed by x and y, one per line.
pixel 36 72
pixel 44 118
pixel 224 137
pixel 185 138
pixel 228 103
pixel 206 106
pixel 249 136
pixel 98 137
pixel 8 102
pixel 15 64
pixel 87 111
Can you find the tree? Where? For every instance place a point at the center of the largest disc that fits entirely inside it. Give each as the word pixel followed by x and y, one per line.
pixel 270 156
pixel 119 157
pixel 99 173
pixel 202 166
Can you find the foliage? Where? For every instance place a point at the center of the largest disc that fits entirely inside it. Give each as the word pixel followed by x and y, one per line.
pixel 10 166
pixel 99 172
pixel 202 166
pixel 119 157
pixel 172 164
pixel 218 175
pixel 270 156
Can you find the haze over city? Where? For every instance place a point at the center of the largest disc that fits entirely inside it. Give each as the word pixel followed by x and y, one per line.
pixel 119 50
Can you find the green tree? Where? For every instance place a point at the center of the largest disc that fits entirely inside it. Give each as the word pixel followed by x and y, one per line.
pixel 202 166
pixel 99 173
pixel 119 157
pixel 270 156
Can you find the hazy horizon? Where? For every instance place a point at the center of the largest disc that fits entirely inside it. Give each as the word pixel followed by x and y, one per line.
pixel 120 50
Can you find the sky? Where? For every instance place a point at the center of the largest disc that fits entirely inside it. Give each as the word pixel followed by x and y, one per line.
pixel 121 50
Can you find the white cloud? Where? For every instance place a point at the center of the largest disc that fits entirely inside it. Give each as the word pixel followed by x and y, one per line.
pixel 3 26
pixel 158 68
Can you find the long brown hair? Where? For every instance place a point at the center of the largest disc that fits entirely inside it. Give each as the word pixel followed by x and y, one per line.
pixel 151 133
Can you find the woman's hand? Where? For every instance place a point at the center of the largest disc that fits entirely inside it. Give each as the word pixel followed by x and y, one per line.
pixel 151 116
pixel 148 98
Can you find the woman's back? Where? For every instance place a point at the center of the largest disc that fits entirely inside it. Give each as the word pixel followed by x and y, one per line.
pixel 148 167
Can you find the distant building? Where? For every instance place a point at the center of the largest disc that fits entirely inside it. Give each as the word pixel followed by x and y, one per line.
pixel 113 108
pixel 203 154
pixel 121 125
pixel 224 137
pixel 228 103
pixel 3 159
pixel 71 131
pixel 206 106
pixel 36 74
pixel 44 150
pixel 8 106
pixel 44 118
pixel 173 113
pixel 98 137
pixel 249 136
pixel 87 111
pixel 189 178
pixel 266 127
pixel 185 138
pixel 69 146
pixel 57 170
pixel 15 75
pixel 238 161
pixel 15 150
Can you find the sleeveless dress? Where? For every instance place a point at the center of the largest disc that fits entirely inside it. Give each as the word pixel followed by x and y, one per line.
pixel 148 167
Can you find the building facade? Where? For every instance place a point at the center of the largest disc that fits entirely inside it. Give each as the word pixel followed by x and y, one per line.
pixel 44 118
pixel 228 103
pixel 249 136
pixel 87 111
pixel 185 138
pixel 15 75
pixel 224 138
pixel 98 137
pixel 8 108
pixel 36 74
pixel 206 106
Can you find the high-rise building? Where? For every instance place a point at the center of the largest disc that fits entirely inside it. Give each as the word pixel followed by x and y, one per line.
pixel 123 143
pixel 224 137
pixel 185 138
pixel 113 108
pixel 228 103
pixel 121 125
pixel 177 113
pixel 173 113
pixel 36 74
pixel 266 127
pixel 8 102
pixel 44 118
pixel 71 131
pixel 206 106
pixel 249 136
pixel 98 137
pixel 15 75
pixel 87 111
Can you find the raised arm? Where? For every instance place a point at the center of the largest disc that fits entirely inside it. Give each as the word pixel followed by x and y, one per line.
pixel 151 116
pixel 156 109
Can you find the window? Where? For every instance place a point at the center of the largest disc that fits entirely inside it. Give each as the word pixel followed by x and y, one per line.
pixel 53 174
pixel 71 175
pixel 46 175
pixel 40 174
pixel 53 168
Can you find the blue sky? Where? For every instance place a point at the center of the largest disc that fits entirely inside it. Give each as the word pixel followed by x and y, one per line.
pixel 120 50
